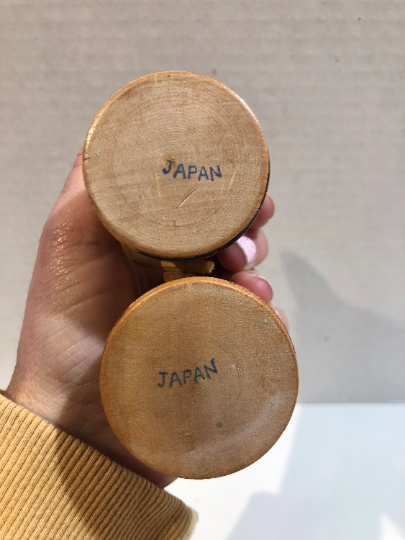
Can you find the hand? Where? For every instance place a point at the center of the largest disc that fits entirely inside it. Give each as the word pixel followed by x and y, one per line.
pixel 81 284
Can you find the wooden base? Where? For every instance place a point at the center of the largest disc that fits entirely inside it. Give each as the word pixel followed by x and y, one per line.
pixel 176 165
pixel 199 378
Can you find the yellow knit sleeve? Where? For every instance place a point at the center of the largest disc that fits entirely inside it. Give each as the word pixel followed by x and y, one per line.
pixel 53 486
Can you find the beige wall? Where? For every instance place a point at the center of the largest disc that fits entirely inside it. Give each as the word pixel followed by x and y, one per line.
pixel 326 81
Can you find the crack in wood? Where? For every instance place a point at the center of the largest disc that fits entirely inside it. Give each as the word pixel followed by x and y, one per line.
pixel 186 197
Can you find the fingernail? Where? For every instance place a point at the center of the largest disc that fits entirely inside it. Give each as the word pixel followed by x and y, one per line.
pixel 259 276
pixel 256 275
pixel 265 293
pixel 79 159
pixel 249 250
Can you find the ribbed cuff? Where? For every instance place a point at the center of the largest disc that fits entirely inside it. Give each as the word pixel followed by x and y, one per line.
pixel 53 486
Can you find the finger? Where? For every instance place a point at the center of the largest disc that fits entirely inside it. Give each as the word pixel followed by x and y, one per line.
pixel 280 313
pixel 266 212
pixel 251 249
pixel 79 159
pixel 255 283
pixel 258 284
pixel 72 221
pixel 77 258
pixel 73 186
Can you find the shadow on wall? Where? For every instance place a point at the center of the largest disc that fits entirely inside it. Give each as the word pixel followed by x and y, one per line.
pixel 345 353
pixel 344 482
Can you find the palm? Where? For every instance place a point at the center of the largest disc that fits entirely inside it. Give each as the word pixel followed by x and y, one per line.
pixel 82 283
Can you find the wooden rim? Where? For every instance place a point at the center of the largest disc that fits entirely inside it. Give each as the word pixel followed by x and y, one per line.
pixel 209 142
pixel 181 423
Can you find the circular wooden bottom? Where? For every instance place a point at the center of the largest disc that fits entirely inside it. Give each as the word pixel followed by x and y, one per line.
pixel 199 378
pixel 176 165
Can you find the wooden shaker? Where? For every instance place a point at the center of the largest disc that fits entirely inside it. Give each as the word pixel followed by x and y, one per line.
pixel 199 376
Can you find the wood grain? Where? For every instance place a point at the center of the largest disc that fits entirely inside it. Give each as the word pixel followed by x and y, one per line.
pixel 199 378
pixel 176 165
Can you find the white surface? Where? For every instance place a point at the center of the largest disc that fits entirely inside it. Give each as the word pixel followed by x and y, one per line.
pixel 337 473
